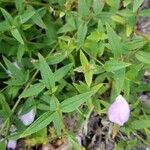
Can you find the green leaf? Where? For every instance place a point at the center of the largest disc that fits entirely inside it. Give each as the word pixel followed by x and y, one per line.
pixel 44 107
pixel 114 4
pixel 72 103
pixel 33 90
pixel 70 20
pixel 141 124
pixel 57 122
pixel 28 14
pixel 84 60
pixel 2 144
pixel 88 74
pixel 15 71
pixel 38 21
pixel 46 73
pixel 83 7
pixel 37 18
pixel 114 41
pixel 54 103
pixel 114 65
pixel 137 4
pixel 55 58
pixel 20 52
pixel 19 5
pixel 145 13
pixel 143 57
pixel 40 123
pixel 82 87
pixel 60 73
pixel 17 35
pixel 88 77
pixel 118 19
pixel 98 6
pixel 96 87
pixel 126 2
pixel 4 26
pixel 5 106
pixel 7 16
pixel 133 71
pixel 119 77
pixel 134 44
pixel 81 34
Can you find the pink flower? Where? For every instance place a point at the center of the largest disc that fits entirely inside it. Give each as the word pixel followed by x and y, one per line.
pixel 12 144
pixel 119 111
pixel 28 118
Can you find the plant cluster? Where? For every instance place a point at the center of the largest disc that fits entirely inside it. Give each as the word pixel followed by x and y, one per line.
pixel 66 57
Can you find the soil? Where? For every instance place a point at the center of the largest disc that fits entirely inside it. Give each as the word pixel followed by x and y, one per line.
pixel 143 24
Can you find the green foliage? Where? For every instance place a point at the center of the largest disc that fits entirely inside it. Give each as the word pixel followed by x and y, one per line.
pixel 141 124
pixel 46 73
pixel 66 57
pixel 33 90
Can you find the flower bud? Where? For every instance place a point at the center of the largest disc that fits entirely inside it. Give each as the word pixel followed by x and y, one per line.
pixel 28 118
pixel 119 111
pixel 12 144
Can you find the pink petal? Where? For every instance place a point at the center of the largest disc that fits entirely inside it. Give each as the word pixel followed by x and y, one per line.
pixel 119 111
pixel 12 144
pixel 28 118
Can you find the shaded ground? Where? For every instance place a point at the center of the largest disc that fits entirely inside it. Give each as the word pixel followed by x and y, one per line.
pixel 143 24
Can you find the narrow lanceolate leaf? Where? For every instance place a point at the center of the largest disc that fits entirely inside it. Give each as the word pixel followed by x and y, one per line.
pixel 119 77
pixel 4 105
pixel 15 71
pixel 114 65
pixel 137 4
pixel 17 35
pixel 88 77
pixel 81 34
pixel 98 6
pixel 141 124
pixel 44 120
pixel 72 103
pixel 114 41
pixel 46 73
pixel 19 5
pixel 118 19
pixel 83 59
pixel 4 26
pixel 143 57
pixel 7 16
pixel 83 7
pixel 54 103
pixel 57 121
pixel 33 90
pixel 145 13
pixel 3 144
pixel 37 18
pixel 28 14
pixel 88 74
pixel 60 73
